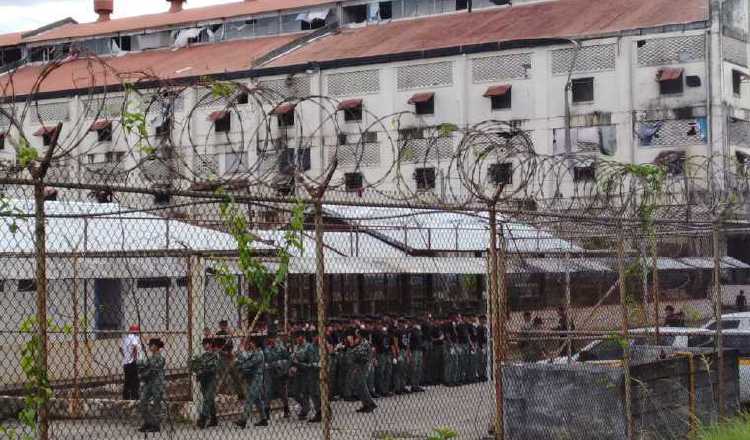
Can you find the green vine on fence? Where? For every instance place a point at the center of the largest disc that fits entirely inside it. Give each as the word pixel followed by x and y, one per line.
pixel 38 391
pixel 259 276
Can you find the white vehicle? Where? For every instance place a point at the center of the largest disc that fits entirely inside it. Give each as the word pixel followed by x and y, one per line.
pixel 735 335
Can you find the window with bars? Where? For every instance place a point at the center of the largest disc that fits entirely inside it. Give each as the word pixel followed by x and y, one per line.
pixel 104 134
pixel 286 119
pixel 502 102
pixel 353 114
pixel 584 173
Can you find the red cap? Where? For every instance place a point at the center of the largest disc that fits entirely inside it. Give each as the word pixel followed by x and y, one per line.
pixel 135 328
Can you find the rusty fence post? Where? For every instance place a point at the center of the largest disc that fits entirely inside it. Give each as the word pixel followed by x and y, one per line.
pixel 496 273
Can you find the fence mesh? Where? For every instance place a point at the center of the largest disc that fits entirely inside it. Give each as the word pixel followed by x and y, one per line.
pixel 477 287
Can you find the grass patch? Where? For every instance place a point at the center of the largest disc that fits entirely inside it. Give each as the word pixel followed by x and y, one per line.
pixel 737 428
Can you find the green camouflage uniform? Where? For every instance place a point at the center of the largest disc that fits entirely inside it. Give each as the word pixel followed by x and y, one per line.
pixel 278 361
pixel 151 373
pixel 306 359
pixel 251 364
pixel 361 355
pixel 205 369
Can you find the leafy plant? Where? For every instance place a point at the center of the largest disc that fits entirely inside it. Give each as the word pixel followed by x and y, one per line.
pixel 38 391
pixel 443 434
pixel 266 281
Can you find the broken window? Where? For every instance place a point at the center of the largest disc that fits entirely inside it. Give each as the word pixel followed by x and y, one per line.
pixel 353 181
pixel 425 178
pixel 501 173
pixel 584 173
pixel 670 81
pixel 737 78
pixel 582 89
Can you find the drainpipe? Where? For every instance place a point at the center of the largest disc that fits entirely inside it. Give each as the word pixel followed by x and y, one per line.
pixel 568 88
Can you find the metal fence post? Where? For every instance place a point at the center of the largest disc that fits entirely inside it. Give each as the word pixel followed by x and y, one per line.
pixel 325 401
pixel 630 427
pixel 40 247
pixel 196 275
pixel 496 272
pixel 716 237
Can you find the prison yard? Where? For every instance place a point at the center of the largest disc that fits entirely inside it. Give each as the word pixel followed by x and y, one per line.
pixel 406 219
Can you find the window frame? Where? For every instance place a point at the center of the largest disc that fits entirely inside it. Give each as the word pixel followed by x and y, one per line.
pixel 223 124
pixel 425 178
pixel 575 93
pixel 502 102
pixel 426 108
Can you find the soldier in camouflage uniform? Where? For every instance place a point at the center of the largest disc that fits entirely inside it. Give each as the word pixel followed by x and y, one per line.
pixel 251 363
pixel 205 369
pixel 306 368
pixel 151 373
pixel 361 352
pixel 278 361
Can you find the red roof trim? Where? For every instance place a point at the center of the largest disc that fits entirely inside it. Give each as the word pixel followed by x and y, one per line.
pixel 283 109
pixel 420 98
pixel 350 104
pixel 44 130
pixel 495 91
pixel 669 73
pixel 215 116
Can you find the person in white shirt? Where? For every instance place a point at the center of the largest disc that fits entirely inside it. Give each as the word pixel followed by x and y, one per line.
pixel 130 349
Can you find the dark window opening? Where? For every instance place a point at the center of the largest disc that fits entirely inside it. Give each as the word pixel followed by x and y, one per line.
pixel 38 54
pixel 369 137
pixel 317 23
pixel 353 114
pixel 406 134
pixel 108 305
pixel 243 98
pixel 104 134
pixel 353 181
pixel 425 178
pixel 223 124
pixel 641 43
pixel 47 138
pixel 462 4
pixel 162 198
pixel 693 81
pixel 501 102
pixel 425 108
pixel 2 141
pixel 355 14
pixel 584 174
pixel 583 89
pixel 164 129
pixel 501 173
pixel 671 86
pixel 386 10
pixel 153 283
pixel 11 55
pixel 26 285
pixel 737 82
pixel 294 158
pixel 342 139
pixel 286 119
pixel 124 43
